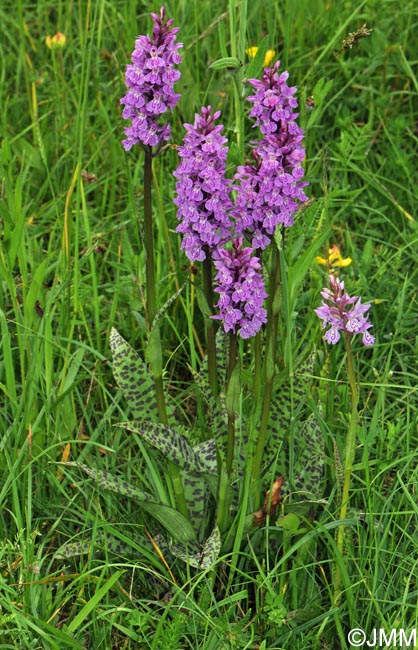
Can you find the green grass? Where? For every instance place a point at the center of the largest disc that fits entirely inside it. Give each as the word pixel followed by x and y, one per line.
pixel 72 266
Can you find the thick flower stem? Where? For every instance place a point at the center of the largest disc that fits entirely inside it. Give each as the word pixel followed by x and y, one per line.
pixel 210 325
pixel 149 237
pixel 232 392
pixel 350 447
pixel 257 384
pixel 225 464
pixel 154 342
pixel 273 309
pixel 150 280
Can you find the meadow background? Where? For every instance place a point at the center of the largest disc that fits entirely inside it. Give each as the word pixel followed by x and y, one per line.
pixel 72 267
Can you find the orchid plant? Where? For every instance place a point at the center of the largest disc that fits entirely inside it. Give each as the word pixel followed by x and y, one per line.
pixel 234 227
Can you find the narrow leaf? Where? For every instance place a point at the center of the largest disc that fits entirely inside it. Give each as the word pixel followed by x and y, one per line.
pixel 94 601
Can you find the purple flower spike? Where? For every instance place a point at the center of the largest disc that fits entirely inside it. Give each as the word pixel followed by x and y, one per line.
pixel 343 314
pixel 241 290
pixel 150 79
pixel 202 190
pixel 269 191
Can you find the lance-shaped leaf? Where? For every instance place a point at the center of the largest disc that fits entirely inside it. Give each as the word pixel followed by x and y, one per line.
pixel 81 546
pixel 197 494
pixel 309 458
pixel 177 525
pixel 217 418
pixel 135 381
pixel 281 405
pixel 198 487
pixel 163 310
pixel 84 545
pixel 206 452
pixel 172 444
pixel 133 378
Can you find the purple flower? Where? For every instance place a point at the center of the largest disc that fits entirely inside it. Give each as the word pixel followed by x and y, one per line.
pixel 343 313
pixel 150 79
pixel 203 201
pixel 273 101
pixel 270 189
pixel 241 290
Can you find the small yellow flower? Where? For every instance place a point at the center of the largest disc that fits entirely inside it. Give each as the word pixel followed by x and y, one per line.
pixel 56 42
pixel 270 54
pixel 334 258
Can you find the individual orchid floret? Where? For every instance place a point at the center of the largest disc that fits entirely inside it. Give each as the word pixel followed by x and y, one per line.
pixel 240 286
pixel 150 80
pixel 343 313
pixel 203 201
pixel 270 189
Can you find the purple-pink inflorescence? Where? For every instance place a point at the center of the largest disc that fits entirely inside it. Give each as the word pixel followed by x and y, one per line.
pixel 203 202
pixel 343 313
pixel 240 286
pixel 270 189
pixel 150 79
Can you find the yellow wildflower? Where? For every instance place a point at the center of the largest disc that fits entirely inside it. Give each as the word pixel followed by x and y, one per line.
pixel 270 54
pixel 334 258
pixel 56 42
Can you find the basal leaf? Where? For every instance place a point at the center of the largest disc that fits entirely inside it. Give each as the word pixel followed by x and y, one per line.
pixel 197 495
pixel 177 525
pixel 284 397
pixel 173 445
pixel 202 558
pixel 133 378
pixel 310 458
pixel 206 452
pixel 211 549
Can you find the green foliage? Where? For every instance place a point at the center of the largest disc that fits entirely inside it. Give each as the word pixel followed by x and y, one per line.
pixel 174 522
pixel 72 266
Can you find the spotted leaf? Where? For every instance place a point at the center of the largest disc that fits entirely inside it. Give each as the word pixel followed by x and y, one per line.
pixel 177 525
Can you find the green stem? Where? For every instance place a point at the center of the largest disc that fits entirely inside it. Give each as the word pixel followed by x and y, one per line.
pixel 225 466
pixel 154 340
pixel 350 448
pixel 273 310
pixel 257 388
pixel 150 281
pixel 210 326
pixel 232 393
pixel 149 238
